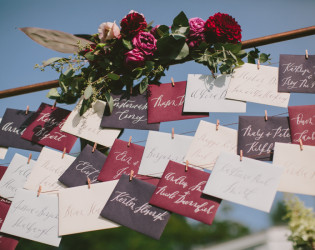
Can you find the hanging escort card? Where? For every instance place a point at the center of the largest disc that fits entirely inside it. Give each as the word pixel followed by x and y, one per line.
pixel 2 171
pixel 80 208
pixel 248 83
pixel 302 124
pixel 257 136
pixel 299 169
pixel 88 127
pixel 87 165
pixel 296 74
pixel 45 128
pixel 49 166
pixel 180 191
pixel 244 181
pixel 3 150
pixel 165 103
pixel 131 113
pixel 15 176
pixel 161 148
pixel 209 142
pixel 207 94
pixel 33 217
pixel 12 126
pixel 129 206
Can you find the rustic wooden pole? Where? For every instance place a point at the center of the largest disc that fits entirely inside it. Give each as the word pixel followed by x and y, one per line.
pixel 275 38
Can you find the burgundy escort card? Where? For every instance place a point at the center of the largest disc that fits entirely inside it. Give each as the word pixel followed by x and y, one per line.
pixel 302 124
pixel 165 103
pixel 121 160
pixel 12 126
pixel 257 136
pixel 180 191
pixel 87 165
pixel 45 128
pixel 131 112
pixel 2 171
pixel 129 206
pixel 296 74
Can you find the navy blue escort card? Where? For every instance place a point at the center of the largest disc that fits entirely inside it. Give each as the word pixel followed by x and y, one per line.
pixel 129 112
pixel 12 126
pixel 129 206
pixel 88 164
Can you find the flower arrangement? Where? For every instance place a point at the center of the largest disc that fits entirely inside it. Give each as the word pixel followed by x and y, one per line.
pixel 137 54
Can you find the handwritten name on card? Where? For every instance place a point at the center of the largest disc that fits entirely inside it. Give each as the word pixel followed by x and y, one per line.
pixel 80 208
pixel 257 137
pixel 302 124
pixel 257 85
pixel 48 168
pixel 129 206
pixel 248 182
pixel 298 167
pixel 206 94
pixel 159 149
pixel 15 176
pixel 208 143
pixel 296 74
pixel 181 192
pixel 165 103
pixel 88 127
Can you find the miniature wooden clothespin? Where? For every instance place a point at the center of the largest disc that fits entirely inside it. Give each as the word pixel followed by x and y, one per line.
pixel 186 167
pixel 172 80
pixel 89 182
pixel 29 158
pixel 53 106
pixel 213 75
pixel 266 116
pixel 94 147
pixel 173 133
pixel 27 109
pixel 241 155
pixel 39 190
pixel 63 153
pixel 306 54
pixel 129 141
pixel 301 144
pixel 258 64
pixel 131 175
pixel 217 126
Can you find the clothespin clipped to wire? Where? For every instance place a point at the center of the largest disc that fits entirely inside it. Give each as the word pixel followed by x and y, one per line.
pixel 53 106
pixel 94 147
pixel 128 145
pixel 306 54
pixel 29 158
pixel 131 175
pixel 39 191
pixel 241 155
pixel 186 167
pixel 173 133
pixel 258 64
pixel 217 126
pixel 27 109
pixel 213 75
pixel 266 115
pixel 301 144
pixel 173 83
pixel 89 182
pixel 63 153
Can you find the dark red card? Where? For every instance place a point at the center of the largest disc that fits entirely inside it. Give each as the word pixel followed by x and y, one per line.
pixel 45 128
pixel 165 103
pixel 2 171
pixel 302 124
pixel 181 192
pixel 121 160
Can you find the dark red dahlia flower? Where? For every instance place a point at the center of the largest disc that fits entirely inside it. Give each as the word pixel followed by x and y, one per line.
pixel 132 24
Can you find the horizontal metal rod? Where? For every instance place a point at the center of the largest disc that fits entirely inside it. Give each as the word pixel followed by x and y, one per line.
pixel 260 41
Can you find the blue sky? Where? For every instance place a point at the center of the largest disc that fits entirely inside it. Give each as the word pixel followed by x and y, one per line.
pixel 19 54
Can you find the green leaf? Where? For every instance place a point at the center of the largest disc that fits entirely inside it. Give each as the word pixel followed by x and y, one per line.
pixel 51 60
pixel 264 57
pixel 171 49
pixel 163 30
pixel 149 66
pixel 69 73
pixel 143 85
pixel 86 104
pixel 178 36
pixel 138 72
pixel 110 101
pixel 90 56
pixel 113 76
pixel 55 40
pixel 180 24
pixel 250 59
pixel 88 92
pixel 53 94
pixel 127 44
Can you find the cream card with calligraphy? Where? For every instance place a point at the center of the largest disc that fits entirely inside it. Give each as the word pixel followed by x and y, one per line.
pixel 15 176
pixel 299 169
pixel 49 166
pixel 207 94
pixel 34 218
pixel 257 85
pixel 88 127
pixel 161 148
pixel 80 208
pixel 248 182
pixel 209 142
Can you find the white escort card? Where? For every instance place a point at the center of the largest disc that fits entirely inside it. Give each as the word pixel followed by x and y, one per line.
pixel 248 182
pixel 299 168
pixel 15 176
pixel 207 94
pixel 80 208
pixel 257 85
pixel 3 150
pixel 88 127
pixel 209 142
pixel 34 218
pixel 49 166
pixel 161 148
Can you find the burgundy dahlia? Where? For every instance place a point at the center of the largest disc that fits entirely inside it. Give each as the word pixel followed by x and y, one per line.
pixel 132 24
pixel 222 28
